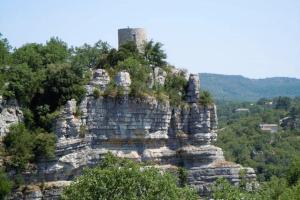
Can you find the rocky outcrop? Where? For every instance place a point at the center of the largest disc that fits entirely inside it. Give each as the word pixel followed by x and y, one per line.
pixel 193 91
pixel 123 79
pixel 159 76
pixel 10 113
pixel 143 129
pixel 49 190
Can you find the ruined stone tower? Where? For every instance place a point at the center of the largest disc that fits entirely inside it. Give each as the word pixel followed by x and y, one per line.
pixel 137 35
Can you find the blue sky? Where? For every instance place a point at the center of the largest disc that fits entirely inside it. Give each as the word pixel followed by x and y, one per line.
pixel 254 38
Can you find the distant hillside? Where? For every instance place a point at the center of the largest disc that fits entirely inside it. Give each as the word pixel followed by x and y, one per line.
pixel 239 88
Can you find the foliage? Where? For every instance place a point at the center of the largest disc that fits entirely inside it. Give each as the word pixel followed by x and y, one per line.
pixel 293 174
pixel 182 176
pixel 43 144
pixel 37 56
pixel 5 185
pixel 4 51
pixel 117 178
pixel 282 103
pixel 291 193
pixel 23 83
pixel 205 98
pixel 87 56
pixel 222 189
pixel 55 51
pixel 24 147
pixel 175 87
pixel 243 141
pixel 139 75
pixel 154 54
pixel 275 189
pixel 96 93
pixel 29 54
pixel 61 84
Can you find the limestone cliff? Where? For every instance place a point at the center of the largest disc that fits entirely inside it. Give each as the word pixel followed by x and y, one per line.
pixel 143 129
pixel 10 114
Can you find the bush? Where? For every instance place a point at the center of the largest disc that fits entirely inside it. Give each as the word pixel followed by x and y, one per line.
pixel 117 178
pixel 205 98
pixel 82 131
pixel 24 146
pixel 19 144
pixel 111 89
pixel 96 93
pixel 5 185
pixel 44 145
pixel 293 175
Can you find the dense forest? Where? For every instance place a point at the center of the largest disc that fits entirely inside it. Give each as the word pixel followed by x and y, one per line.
pixel 239 88
pixel 274 156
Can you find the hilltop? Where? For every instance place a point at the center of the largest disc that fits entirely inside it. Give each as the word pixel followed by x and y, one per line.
pixel 239 88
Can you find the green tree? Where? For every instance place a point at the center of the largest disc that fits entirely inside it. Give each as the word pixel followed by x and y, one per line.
pixel 24 146
pixel 23 83
pixel 117 178
pixel 154 54
pixel 222 189
pixel 60 85
pixel 282 103
pixel 19 144
pixel 30 54
pixel 293 175
pixel 4 51
pixel 291 193
pixel 55 51
pixel 44 144
pixel 5 185
pixel 87 56
pixel 205 98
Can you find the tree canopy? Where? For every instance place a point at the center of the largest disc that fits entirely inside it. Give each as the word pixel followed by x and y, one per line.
pixel 117 178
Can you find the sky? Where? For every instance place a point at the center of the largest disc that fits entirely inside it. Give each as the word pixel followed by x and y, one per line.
pixel 253 38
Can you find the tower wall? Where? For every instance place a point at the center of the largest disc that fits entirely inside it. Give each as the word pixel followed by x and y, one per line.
pixel 136 35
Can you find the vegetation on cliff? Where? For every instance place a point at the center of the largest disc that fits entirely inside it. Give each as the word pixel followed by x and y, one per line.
pixel 42 77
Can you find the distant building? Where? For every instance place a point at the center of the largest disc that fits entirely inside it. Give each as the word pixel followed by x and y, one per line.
pixel 238 110
pixel 272 128
pixel 269 104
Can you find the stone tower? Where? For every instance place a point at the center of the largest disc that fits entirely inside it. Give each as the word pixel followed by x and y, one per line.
pixel 137 35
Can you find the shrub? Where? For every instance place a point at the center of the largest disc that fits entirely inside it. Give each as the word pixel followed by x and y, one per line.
pixel 19 144
pixel 205 98
pixel 96 93
pixel 44 144
pixel 117 178
pixel 82 131
pixel 182 176
pixel 24 146
pixel 5 185
pixel 111 89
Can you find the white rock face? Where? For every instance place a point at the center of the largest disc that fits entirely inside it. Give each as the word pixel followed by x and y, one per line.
pixel 10 114
pixel 140 129
pixel 123 79
pixel 193 91
pixel 159 76
pixel 100 78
